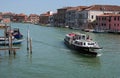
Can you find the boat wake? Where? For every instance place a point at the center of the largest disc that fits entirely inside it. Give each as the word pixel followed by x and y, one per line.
pixel 61 48
pixel 65 49
pixel 98 55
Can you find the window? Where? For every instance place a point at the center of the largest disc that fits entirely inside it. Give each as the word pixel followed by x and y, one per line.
pixel 84 43
pixel 90 43
pixel 92 17
pixel 99 18
pixel 118 19
pixel 105 18
pixel 102 18
pixel 109 19
pixel 104 24
pixel 109 26
pixel 115 18
pixel 80 43
pixel 96 23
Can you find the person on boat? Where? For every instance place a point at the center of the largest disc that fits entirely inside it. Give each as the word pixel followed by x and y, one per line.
pixel 16 33
pixel 88 38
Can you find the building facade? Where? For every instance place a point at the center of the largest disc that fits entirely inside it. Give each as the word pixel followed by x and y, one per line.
pixel 20 18
pixel 70 20
pixel 45 18
pixel 33 18
pixel 8 15
pixel 88 15
pixel 108 22
pixel 60 17
pixel 72 17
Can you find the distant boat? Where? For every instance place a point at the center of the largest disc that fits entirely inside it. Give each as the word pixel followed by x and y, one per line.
pixel 82 43
pixel 66 26
pixel 99 31
pixel 75 28
pixel 88 30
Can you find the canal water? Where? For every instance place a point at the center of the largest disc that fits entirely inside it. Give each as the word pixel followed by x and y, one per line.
pixel 50 58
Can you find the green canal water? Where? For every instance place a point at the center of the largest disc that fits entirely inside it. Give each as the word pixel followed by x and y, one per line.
pixel 50 58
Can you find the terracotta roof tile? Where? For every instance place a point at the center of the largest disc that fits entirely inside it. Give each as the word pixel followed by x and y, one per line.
pixel 104 7
pixel 66 8
pixel 109 14
pixel 8 13
pixel 77 8
pixel 21 14
pixel 33 15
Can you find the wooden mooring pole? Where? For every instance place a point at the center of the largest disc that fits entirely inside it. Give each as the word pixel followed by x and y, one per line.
pixel 10 41
pixel 30 45
pixel 29 42
pixel 10 46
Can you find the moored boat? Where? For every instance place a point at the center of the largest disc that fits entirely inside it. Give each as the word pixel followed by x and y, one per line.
pixel 88 30
pixel 99 31
pixel 17 37
pixel 82 43
pixel 14 42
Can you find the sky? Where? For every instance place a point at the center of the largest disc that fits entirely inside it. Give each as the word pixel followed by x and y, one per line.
pixel 42 6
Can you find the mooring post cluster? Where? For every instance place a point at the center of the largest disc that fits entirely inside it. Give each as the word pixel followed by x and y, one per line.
pixel 10 47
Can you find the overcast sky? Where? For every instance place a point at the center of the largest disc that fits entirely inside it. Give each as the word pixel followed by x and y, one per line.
pixel 41 6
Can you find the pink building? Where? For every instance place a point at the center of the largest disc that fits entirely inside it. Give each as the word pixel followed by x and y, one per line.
pixel 108 22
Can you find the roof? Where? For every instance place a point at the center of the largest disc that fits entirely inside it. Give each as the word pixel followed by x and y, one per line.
pixel 21 14
pixel 33 15
pixel 105 15
pixel 65 8
pixel 77 8
pixel 46 14
pixel 104 8
pixel 71 34
pixel 8 13
pixel 75 33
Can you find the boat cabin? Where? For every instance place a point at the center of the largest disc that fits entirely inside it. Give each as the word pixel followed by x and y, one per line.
pixel 77 36
pixel 85 43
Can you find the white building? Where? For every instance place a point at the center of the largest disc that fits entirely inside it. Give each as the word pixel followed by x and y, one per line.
pixel 89 14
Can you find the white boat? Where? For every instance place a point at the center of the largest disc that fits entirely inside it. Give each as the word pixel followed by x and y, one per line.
pixel 88 30
pixel 66 26
pixel 99 31
pixel 17 37
pixel 5 38
pixel 14 42
pixel 82 43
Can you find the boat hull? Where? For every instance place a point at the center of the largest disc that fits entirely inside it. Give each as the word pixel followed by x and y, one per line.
pixel 83 50
pixel 14 42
